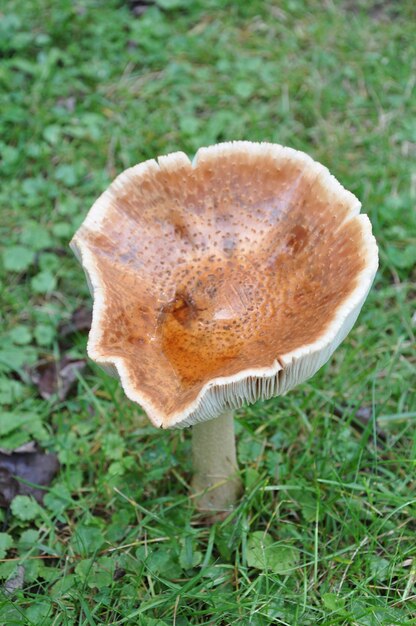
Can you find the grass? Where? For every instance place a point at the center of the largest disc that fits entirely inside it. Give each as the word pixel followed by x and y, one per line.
pixel 326 531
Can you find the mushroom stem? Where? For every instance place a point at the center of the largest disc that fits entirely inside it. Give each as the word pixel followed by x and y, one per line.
pixel 216 482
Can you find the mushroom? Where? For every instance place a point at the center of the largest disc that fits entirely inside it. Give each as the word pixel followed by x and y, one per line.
pixel 219 282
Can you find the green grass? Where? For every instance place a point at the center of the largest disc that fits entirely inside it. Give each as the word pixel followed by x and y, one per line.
pixel 87 89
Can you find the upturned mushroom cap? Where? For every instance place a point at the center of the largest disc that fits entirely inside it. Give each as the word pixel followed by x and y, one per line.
pixel 222 281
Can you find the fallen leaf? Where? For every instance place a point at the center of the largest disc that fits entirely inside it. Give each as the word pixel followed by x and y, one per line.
pixel 361 418
pixel 16 582
pixel 38 468
pixel 138 7
pixel 80 322
pixel 57 377
pixel 119 572
pixel 30 446
pixel 67 103
pixel 9 487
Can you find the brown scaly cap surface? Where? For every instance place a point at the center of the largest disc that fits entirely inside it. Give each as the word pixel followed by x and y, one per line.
pixel 225 280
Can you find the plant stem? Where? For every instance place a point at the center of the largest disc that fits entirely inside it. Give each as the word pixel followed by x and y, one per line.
pixel 216 479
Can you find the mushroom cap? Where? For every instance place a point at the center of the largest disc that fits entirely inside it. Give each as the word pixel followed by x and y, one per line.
pixel 224 280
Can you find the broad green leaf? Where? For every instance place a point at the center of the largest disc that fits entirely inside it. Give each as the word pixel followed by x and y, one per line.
pixel 249 450
pixel 87 540
pixel 44 334
pixel 20 335
pixel 379 567
pixel 189 125
pixel 28 539
pixel 13 357
pixel 63 230
pixel 170 5
pixel 44 282
pixel 7 570
pixel 164 562
pixel 83 568
pixel 375 612
pixel 309 506
pixel 52 134
pixel 67 174
pixel 49 262
pixel 7 423
pixel 57 499
pixel 25 508
pixel 151 621
pixel 32 568
pixel 244 89
pixel 63 586
pixel 6 542
pixel 113 446
pixel 11 421
pixel 35 236
pixel 39 611
pixel 263 553
pixel 188 557
pixel 17 258
pixel 11 391
pixel 257 549
pixel 96 572
pixel 19 428
pixel 402 258
pixel 333 601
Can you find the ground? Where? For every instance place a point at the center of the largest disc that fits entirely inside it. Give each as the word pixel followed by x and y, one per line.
pixel 326 530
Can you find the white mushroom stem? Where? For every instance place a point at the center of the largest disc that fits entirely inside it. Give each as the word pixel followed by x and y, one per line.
pixel 216 482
